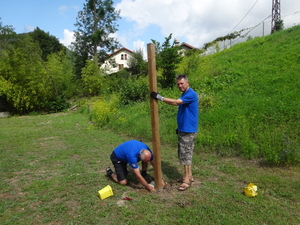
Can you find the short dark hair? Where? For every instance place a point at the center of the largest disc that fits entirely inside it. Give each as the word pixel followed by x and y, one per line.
pixel 182 76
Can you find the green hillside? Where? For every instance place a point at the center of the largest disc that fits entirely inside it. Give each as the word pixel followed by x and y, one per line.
pixel 249 98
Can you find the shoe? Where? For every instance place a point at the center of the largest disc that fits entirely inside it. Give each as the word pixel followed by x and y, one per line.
pixel 109 171
pixel 184 187
pixel 181 179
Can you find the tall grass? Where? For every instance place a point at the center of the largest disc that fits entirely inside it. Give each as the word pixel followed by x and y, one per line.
pixel 248 96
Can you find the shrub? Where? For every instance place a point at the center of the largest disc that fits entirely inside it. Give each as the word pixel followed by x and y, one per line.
pixel 103 111
pixel 134 90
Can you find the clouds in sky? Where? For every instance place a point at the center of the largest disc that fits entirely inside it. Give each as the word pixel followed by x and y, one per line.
pixel 193 21
pixel 198 21
pixel 68 38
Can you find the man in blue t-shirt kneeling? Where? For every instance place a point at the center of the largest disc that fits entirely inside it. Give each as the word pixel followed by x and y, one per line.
pixel 131 152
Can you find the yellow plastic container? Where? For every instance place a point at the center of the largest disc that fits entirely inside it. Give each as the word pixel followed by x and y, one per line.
pixel 250 190
pixel 105 192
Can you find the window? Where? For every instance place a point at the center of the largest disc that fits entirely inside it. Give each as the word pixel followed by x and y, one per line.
pixel 122 56
pixel 121 66
pixel 125 56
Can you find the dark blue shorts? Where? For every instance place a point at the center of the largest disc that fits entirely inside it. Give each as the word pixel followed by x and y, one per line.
pixel 120 167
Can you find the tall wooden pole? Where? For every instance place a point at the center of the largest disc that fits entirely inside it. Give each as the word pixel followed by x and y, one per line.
pixel 154 117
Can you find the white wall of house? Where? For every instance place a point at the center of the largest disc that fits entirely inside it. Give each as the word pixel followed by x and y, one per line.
pixel 120 58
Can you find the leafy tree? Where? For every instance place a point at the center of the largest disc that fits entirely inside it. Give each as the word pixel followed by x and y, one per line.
pixel 137 65
pixel 27 82
pixel 23 76
pixel 279 25
pixel 168 59
pixel 92 78
pixel 48 43
pixel 95 24
pixel 7 35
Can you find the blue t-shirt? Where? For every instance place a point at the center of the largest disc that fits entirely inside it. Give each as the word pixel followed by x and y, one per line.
pixel 187 116
pixel 128 152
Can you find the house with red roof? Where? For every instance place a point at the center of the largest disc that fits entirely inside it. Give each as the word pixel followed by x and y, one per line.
pixel 117 60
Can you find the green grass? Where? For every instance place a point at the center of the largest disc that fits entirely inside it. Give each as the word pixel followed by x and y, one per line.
pixel 52 166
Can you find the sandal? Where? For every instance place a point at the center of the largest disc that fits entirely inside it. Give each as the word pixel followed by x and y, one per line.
pixel 184 187
pixel 181 179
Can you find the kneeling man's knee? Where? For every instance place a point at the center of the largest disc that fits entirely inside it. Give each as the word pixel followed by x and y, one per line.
pixel 123 182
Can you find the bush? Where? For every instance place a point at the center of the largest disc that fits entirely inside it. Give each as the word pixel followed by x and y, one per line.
pixel 57 104
pixel 134 90
pixel 103 111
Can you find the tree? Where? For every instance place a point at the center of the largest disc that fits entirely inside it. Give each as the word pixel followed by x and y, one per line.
pixel 48 43
pixel 137 65
pixel 27 82
pixel 279 25
pixel 92 78
pixel 95 24
pixel 7 34
pixel 168 59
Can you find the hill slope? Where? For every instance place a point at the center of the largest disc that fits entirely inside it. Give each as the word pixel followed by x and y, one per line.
pixel 253 91
pixel 249 101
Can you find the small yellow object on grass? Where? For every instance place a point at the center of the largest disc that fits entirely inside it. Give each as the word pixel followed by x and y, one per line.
pixel 105 192
pixel 250 190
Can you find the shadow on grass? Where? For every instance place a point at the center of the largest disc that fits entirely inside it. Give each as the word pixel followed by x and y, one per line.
pixel 168 170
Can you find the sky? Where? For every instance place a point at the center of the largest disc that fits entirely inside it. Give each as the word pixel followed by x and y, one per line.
pixel 194 22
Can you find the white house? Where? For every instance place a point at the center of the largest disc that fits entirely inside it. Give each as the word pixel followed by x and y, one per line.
pixel 117 60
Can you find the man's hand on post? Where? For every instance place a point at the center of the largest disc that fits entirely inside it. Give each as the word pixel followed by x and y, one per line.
pixel 156 96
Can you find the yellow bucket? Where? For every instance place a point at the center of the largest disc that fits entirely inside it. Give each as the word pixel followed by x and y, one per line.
pixel 105 192
pixel 250 190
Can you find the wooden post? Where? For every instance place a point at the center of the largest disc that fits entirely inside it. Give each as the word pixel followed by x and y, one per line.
pixel 154 117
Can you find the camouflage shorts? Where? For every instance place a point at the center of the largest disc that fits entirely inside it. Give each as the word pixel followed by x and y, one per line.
pixel 186 142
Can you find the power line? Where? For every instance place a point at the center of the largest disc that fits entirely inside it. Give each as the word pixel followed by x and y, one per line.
pixel 244 16
pixel 250 29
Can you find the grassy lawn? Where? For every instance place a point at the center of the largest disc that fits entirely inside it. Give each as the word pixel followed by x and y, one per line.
pixel 52 166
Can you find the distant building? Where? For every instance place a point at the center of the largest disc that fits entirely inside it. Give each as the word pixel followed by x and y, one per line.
pixel 184 46
pixel 117 60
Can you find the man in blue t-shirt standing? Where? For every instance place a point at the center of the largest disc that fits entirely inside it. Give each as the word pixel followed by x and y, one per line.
pixel 131 152
pixel 187 122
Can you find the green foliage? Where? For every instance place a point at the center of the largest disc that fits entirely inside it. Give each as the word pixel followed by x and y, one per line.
pixel 94 25
pixel 48 43
pixel 190 63
pixel 137 65
pixel 134 89
pixel 103 111
pixel 115 81
pixel 27 82
pixel 230 36
pixel 279 25
pixel 92 78
pixel 23 76
pixel 57 104
pixel 167 58
pixel 60 70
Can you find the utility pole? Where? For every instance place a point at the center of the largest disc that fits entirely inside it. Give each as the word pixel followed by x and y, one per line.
pixel 275 14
